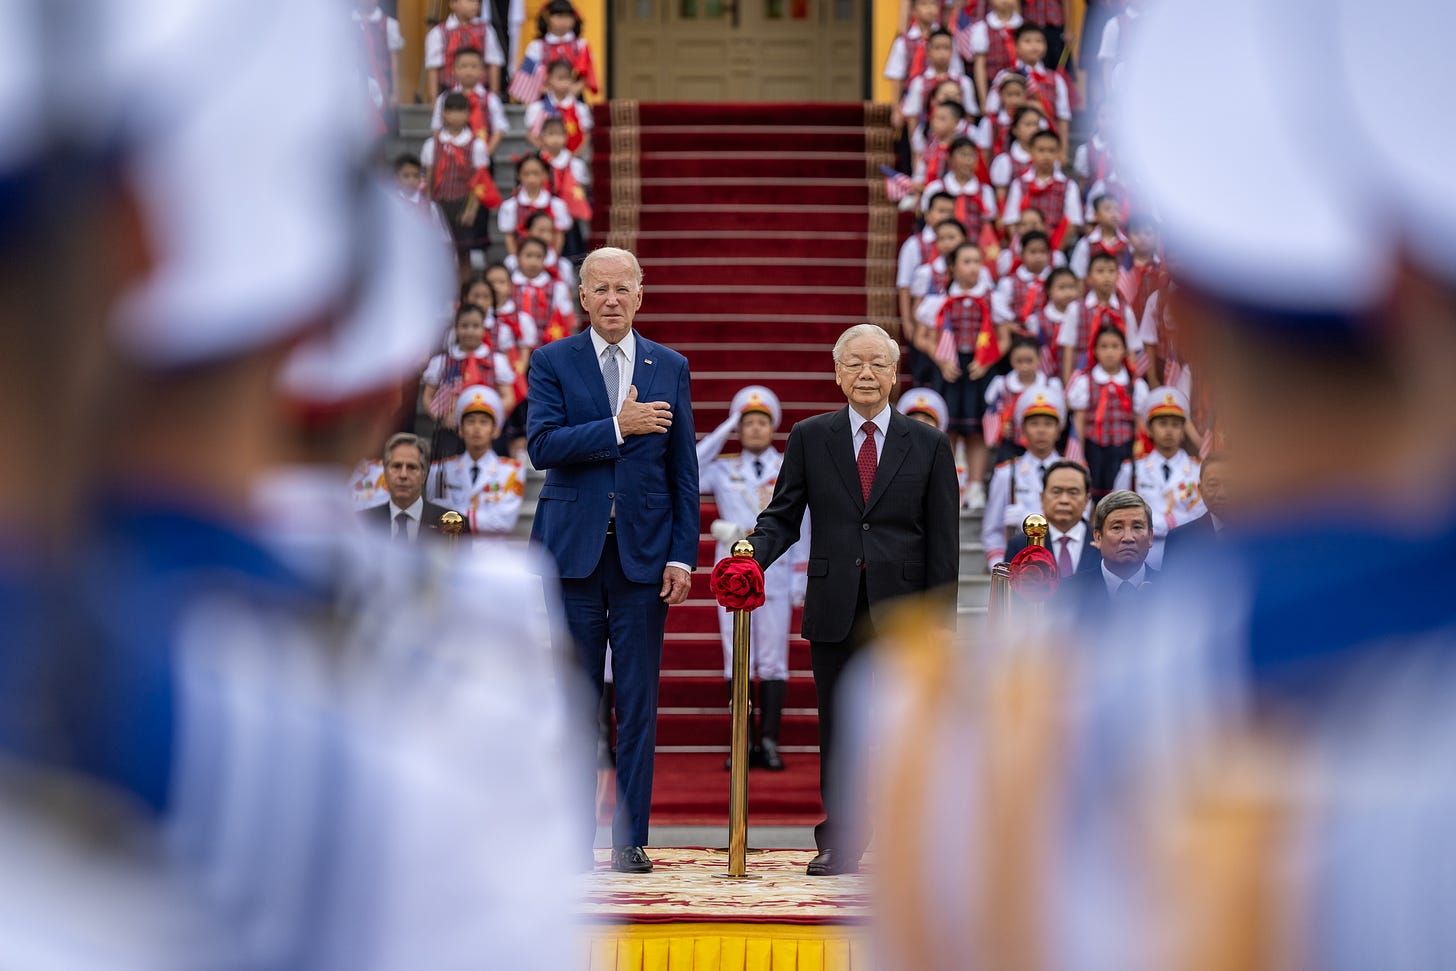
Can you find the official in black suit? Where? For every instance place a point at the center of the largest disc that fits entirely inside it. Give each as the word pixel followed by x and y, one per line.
pixel 1182 545
pixel 1064 496
pixel 882 496
pixel 407 515
pixel 1122 527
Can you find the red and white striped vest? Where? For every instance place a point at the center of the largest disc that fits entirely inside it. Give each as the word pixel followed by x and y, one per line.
pixel 1050 200
pixel 965 316
pixel 971 212
pixel 535 301
pixel 374 34
pixel 1027 296
pixel 1047 13
pixel 464 35
pixel 1000 50
pixel 1110 413
pixel 452 170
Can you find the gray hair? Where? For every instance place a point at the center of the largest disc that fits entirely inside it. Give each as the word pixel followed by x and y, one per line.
pixel 608 253
pixel 892 346
pixel 1119 499
pixel 406 438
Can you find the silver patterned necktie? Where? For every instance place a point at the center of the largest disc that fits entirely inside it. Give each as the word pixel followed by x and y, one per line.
pixel 612 375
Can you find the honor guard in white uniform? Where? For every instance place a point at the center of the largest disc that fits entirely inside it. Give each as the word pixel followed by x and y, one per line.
pixel 1167 477
pixel 366 485
pixel 928 406
pixel 742 486
pixel 477 483
pixel 1016 485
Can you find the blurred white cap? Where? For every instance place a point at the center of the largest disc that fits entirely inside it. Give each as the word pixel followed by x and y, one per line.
pixel 1165 402
pixel 1047 400
pixel 478 397
pixel 928 402
pixel 756 398
pixel 250 174
pixel 1234 125
pixel 403 303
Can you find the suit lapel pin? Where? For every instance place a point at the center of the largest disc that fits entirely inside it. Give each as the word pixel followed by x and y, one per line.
pixel 647 361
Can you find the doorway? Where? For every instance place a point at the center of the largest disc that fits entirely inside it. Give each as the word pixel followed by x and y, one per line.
pixel 738 50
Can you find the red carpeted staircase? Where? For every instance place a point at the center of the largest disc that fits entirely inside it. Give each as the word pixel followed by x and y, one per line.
pixel 763 232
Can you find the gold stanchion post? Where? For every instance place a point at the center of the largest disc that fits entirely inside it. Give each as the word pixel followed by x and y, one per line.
pixel 452 524
pixel 1000 606
pixel 1035 527
pixel 738 777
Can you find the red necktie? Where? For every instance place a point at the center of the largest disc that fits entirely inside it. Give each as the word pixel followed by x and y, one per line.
pixel 868 460
pixel 1064 558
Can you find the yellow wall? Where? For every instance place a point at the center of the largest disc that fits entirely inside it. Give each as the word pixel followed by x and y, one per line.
pixel 886 24
pixel 593 29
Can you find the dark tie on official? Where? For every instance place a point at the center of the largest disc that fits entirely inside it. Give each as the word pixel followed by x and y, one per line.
pixel 758 468
pixel 1064 558
pixel 1167 471
pixel 868 460
pixel 401 528
pixel 1126 591
pixel 475 473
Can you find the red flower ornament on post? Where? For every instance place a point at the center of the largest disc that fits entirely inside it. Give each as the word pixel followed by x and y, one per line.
pixel 738 583
pixel 1034 574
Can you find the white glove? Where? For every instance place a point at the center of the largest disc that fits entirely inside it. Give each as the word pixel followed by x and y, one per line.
pixel 727 532
pixel 1013 518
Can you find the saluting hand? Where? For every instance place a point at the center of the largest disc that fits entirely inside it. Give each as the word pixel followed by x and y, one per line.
pixel 643 417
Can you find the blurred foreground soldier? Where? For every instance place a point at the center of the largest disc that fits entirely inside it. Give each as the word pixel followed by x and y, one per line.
pixel 82 885
pixel 1263 779
pixel 742 485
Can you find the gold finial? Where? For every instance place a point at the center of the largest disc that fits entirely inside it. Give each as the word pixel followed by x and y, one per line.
pixel 743 548
pixel 451 524
pixel 1035 528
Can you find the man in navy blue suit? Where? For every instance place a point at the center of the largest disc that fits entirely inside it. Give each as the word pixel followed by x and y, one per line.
pixel 611 422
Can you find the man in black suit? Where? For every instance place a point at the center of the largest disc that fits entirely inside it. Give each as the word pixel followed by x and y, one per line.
pixel 1184 542
pixel 1064 497
pixel 882 496
pixel 1122 528
pixel 406 515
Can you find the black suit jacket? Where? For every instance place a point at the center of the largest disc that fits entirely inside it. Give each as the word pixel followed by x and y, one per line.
pixel 1084 595
pixel 1089 559
pixel 377 517
pixel 905 539
pixel 1183 542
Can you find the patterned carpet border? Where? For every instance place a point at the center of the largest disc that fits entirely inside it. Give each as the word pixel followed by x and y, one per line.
pixel 683 888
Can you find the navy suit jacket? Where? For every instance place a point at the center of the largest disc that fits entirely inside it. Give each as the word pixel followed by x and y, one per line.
pixel 653 479
pixel 1084 595
pixel 1184 541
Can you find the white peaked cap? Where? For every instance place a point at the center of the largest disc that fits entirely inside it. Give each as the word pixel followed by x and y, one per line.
pixel 1044 400
pixel 756 397
pixel 478 397
pixel 397 315
pixel 1244 144
pixel 926 400
pixel 1163 402
pixel 250 177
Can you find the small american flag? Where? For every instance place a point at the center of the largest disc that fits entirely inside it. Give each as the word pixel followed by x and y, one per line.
pixel 527 82
pixel 1074 447
pixel 897 184
pixel 962 34
pixel 1141 363
pixel 1173 373
pixel 945 347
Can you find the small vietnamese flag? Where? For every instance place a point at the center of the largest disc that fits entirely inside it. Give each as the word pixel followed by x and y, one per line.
pixel 988 351
pixel 482 186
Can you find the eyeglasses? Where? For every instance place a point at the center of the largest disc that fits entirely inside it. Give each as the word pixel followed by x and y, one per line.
pixel 878 367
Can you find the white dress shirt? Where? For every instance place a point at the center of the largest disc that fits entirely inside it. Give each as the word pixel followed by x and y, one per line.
pixel 414 512
pixel 628 346
pixel 882 424
pixel 1114 581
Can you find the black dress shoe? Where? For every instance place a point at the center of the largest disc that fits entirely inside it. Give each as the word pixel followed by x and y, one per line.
pixel 830 863
pixel 770 754
pixel 630 859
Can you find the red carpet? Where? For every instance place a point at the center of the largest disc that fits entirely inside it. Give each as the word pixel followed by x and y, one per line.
pixel 763 232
